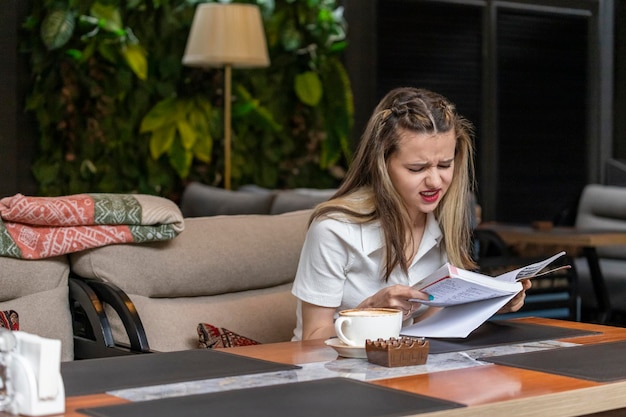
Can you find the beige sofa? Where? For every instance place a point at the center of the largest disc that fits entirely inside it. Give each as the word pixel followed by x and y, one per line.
pixel 230 271
pixel 232 268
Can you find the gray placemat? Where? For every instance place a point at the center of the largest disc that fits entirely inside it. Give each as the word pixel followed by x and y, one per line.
pixel 497 333
pixel 324 397
pixel 604 362
pixel 93 376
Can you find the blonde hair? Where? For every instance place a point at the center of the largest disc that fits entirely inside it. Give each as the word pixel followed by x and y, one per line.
pixel 367 193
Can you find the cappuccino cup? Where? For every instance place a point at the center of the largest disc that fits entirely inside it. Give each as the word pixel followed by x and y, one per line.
pixel 355 326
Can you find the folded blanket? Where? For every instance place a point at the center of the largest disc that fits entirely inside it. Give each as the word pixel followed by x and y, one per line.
pixel 42 227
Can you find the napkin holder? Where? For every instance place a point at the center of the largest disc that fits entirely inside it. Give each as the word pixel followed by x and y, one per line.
pixel 393 352
pixel 36 375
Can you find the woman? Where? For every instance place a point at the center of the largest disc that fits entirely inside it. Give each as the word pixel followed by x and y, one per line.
pixel 402 211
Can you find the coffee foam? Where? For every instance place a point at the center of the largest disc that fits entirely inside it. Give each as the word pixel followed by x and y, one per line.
pixel 371 312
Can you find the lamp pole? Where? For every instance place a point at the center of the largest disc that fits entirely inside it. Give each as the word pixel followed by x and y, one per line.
pixel 227 125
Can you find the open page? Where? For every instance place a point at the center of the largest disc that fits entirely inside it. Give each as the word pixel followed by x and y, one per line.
pixel 532 270
pixel 453 291
pixel 457 321
pixel 450 286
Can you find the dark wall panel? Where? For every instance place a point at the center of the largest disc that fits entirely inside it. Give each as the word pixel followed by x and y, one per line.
pixel 542 113
pixel 539 109
pixel 431 45
pixel 17 130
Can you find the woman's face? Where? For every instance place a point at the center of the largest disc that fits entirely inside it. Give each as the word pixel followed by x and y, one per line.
pixel 422 168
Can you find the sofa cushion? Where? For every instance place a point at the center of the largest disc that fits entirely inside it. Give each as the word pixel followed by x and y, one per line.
pixel 214 255
pixel 203 200
pixel 265 315
pixel 46 314
pixel 298 199
pixel 38 290
pixel 19 277
pixel 212 337
pixel 9 319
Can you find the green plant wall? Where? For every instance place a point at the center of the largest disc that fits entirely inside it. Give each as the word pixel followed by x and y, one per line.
pixel 118 112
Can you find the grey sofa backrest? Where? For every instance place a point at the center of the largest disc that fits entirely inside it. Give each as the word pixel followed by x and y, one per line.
pixel 603 207
pixel 201 200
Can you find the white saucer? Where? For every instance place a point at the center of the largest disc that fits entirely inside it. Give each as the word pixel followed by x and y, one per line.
pixel 345 350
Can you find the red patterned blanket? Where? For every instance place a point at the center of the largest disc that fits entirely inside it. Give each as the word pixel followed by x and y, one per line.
pixel 41 227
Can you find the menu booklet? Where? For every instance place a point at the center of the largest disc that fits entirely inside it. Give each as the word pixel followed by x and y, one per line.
pixel 470 298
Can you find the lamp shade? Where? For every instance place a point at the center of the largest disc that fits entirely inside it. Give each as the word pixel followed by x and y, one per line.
pixel 226 34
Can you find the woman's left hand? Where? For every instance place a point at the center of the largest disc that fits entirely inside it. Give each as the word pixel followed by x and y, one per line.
pixel 517 302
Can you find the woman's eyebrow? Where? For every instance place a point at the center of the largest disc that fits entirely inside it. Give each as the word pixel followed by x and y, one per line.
pixel 428 163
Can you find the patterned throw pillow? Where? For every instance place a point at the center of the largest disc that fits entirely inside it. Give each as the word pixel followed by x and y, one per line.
pixel 211 337
pixel 9 320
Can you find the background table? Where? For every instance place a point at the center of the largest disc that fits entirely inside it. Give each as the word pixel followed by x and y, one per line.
pixel 563 238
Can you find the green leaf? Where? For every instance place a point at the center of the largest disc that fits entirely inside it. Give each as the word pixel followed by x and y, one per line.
pixel 187 134
pixel 203 144
pixel 181 160
pixel 339 99
pixel 57 28
pixel 135 56
pixel 198 119
pixel 203 105
pixel 107 51
pixel 267 119
pixel 203 147
pixel 46 171
pixel 163 113
pixel 87 168
pixel 308 88
pixel 88 52
pixel 338 46
pixel 338 114
pixel 110 15
pixel 248 107
pixel 161 141
pixel 74 53
pixel 291 39
pixel 133 4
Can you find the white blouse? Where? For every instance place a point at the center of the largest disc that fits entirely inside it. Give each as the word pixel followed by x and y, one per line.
pixel 341 264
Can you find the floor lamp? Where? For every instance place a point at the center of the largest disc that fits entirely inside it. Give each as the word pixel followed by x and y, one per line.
pixel 226 35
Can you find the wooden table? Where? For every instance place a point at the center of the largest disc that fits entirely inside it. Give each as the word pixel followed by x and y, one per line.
pixel 563 237
pixel 492 390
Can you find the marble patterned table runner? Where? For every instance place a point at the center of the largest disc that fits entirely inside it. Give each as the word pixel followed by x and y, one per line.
pixel 358 369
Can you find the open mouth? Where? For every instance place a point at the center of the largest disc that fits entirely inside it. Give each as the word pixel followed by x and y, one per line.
pixel 430 196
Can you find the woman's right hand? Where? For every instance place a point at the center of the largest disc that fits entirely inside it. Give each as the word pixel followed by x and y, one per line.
pixel 396 296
